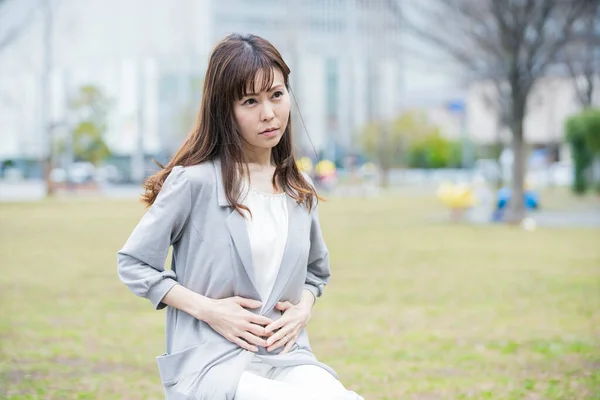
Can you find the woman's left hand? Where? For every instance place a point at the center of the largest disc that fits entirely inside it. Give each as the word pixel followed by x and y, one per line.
pixel 293 320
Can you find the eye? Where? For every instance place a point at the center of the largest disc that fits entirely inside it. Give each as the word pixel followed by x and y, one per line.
pixel 249 102
pixel 278 94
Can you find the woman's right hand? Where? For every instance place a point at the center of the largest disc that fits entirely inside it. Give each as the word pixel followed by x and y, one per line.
pixel 230 318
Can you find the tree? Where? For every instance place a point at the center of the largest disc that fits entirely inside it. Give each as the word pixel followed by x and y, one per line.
pixel 582 55
pixel 89 108
pixel 583 135
pixel 434 151
pixel 512 43
pixel 8 36
pixel 379 145
pixel 389 143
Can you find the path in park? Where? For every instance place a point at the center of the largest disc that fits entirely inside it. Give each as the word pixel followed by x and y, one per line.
pixel 34 191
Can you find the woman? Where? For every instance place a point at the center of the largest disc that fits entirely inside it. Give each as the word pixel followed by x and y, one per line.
pixel 248 255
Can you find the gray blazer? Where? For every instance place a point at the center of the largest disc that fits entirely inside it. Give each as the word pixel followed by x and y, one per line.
pixel 212 256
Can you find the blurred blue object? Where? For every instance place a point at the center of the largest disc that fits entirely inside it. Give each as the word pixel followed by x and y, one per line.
pixel 531 198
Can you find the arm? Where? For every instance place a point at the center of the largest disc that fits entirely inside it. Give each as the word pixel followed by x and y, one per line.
pixel 140 263
pixel 318 270
pixel 188 301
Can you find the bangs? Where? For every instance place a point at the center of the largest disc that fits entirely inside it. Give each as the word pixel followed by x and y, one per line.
pixel 252 74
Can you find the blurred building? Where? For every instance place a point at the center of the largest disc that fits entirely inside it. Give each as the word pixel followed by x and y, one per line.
pixel 351 63
pixel 149 57
pixel 345 59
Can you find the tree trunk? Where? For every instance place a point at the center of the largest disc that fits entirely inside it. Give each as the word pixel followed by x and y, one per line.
pixel 385 177
pixel 516 209
pixel 47 178
pixel 45 97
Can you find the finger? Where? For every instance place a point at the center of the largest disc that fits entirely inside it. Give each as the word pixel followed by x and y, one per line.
pixel 276 325
pixel 247 303
pixel 280 334
pixel 278 343
pixel 288 346
pixel 244 344
pixel 283 305
pixel 258 319
pixel 257 330
pixel 253 339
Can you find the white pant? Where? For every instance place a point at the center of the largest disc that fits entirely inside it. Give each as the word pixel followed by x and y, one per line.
pixel 302 382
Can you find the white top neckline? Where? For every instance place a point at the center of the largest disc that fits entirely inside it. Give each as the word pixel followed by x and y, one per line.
pixel 267 230
pixel 280 194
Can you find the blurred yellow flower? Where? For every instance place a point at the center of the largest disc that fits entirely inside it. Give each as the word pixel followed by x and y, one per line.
pixel 325 168
pixel 457 196
pixel 305 164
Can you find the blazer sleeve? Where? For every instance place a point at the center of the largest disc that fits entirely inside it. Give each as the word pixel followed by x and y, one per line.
pixel 318 271
pixel 140 263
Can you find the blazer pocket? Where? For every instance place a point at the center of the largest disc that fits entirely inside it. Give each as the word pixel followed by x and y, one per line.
pixel 172 367
pixel 195 360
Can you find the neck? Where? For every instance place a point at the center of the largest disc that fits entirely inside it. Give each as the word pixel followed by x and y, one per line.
pixel 261 157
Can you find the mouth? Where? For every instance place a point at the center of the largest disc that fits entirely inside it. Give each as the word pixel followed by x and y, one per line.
pixel 269 133
pixel 270 130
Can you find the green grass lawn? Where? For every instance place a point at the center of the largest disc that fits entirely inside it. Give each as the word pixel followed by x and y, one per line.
pixel 416 309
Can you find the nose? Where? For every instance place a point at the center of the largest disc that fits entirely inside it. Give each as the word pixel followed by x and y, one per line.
pixel 267 112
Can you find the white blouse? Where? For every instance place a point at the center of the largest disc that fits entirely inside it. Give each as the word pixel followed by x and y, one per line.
pixel 267 230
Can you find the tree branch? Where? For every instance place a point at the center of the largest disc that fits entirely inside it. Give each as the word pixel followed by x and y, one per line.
pixel 14 33
pixel 575 10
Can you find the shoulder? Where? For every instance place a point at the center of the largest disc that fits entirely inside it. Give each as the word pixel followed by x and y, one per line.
pixel 202 174
pixel 307 178
pixel 195 176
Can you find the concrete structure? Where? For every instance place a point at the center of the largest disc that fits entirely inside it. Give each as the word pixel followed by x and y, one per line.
pixel 149 57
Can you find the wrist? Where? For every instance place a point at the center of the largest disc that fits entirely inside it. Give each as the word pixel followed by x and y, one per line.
pixel 307 300
pixel 202 308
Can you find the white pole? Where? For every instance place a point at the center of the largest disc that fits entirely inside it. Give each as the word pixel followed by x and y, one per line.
pixel 137 159
pixel 45 97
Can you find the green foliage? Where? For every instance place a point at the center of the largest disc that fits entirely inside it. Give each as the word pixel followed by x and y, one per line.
pixel 583 136
pixel 434 151
pixel 90 107
pixel 88 144
pixel 409 141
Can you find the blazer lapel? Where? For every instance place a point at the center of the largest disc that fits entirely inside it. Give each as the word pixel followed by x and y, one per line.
pixel 291 252
pixel 237 228
pixel 239 234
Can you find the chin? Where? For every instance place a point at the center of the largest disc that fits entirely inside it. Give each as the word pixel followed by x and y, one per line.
pixel 274 142
pixel 269 143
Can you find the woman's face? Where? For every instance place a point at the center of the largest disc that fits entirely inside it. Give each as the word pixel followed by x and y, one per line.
pixel 262 117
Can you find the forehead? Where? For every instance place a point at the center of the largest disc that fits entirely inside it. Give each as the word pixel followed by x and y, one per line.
pixel 263 80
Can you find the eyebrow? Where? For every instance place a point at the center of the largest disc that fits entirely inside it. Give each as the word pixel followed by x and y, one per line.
pixel 270 90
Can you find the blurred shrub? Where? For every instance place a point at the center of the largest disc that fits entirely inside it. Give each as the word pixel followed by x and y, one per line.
pixel 89 108
pixel 409 141
pixel 434 151
pixel 583 136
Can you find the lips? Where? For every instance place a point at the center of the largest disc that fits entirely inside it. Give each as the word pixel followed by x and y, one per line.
pixel 268 131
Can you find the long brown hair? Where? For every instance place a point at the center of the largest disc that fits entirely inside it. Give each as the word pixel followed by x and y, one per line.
pixel 231 73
